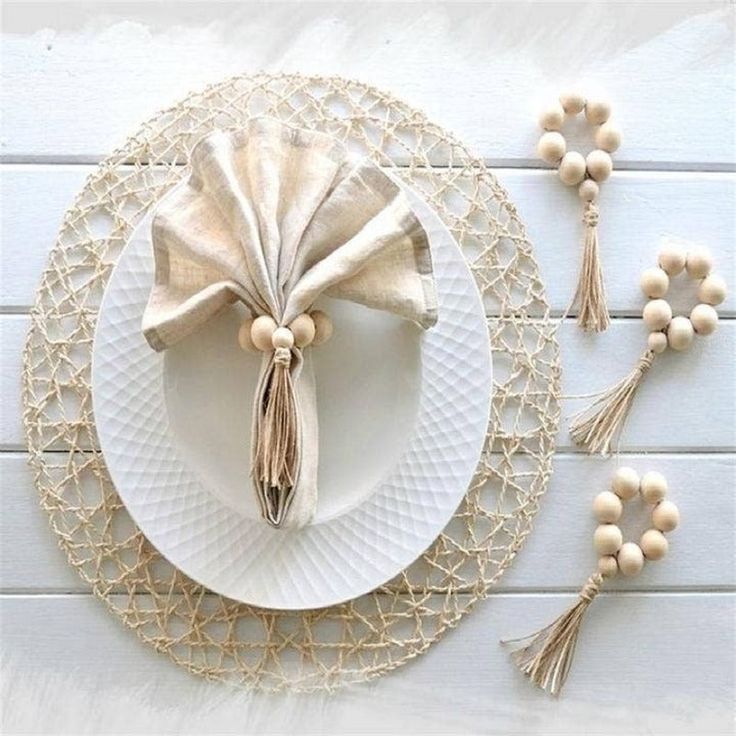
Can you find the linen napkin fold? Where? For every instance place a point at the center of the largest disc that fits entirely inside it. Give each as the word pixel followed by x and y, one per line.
pixel 274 216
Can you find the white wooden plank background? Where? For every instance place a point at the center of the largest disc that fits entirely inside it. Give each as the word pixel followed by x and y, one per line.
pixel 657 656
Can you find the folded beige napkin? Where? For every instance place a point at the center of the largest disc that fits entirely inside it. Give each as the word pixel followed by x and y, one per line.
pixel 274 216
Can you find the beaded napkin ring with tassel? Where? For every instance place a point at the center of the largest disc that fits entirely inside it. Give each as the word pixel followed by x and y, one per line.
pixel 545 656
pixel 586 173
pixel 276 457
pixel 595 427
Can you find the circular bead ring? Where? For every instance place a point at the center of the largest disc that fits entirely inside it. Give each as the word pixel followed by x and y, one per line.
pixel 615 555
pixel 264 335
pixel 574 169
pixel 678 332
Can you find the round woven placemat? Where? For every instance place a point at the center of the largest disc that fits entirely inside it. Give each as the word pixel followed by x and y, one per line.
pixel 204 632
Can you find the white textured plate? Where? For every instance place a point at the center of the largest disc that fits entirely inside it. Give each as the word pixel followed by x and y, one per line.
pixel 403 416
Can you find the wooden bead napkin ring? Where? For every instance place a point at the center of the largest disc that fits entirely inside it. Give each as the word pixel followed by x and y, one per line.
pixel 595 427
pixel 545 656
pixel 586 173
pixel 275 448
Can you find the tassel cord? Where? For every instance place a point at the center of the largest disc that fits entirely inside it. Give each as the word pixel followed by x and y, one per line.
pixel 591 291
pixel 595 427
pixel 547 657
pixel 276 458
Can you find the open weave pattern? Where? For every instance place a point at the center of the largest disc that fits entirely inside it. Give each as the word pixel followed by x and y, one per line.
pixel 204 632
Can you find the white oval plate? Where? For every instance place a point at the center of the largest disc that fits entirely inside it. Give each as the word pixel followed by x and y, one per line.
pixel 402 414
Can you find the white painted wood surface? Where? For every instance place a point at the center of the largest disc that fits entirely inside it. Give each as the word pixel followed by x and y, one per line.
pixel 657 653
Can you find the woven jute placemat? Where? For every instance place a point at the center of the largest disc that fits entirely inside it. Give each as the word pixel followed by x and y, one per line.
pixel 200 630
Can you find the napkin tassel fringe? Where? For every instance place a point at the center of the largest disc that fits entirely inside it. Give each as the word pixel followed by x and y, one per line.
pixel 546 656
pixel 277 449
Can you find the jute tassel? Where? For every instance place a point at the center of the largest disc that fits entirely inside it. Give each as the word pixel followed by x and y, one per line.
pixel 595 427
pixel 276 459
pixel 591 291
pixel 545 656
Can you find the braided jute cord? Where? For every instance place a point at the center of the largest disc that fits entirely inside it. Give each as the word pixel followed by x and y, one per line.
pixel 219 638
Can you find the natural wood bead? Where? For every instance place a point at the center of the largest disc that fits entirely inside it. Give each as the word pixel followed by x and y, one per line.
pixel 657 314
pixel 680 333
pixel 572 168
pixel 607 539
pixel 551 147
pixel 597 111
pixel 302 327
pixel 551 117
pixel 323 327
pixel 625 483
pixel 654 544
pixel 666 516
pixel 599 165
pixel 588 190
pixel 657 342
pixel 261 331
pixel 704 319
pixel 607 507
pixel 282 338
pixel 699 263
pixel 654 282
pixel 608 137
pixel 630 559
pixel 244 339
pixel 572 102
pixel 653 486
pixel 672 258
pixel 608 566
pixel 712 290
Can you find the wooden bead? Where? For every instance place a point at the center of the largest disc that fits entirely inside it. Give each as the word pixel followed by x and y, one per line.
pixel 551 147
pixel 625 483
pixel 672 258
pixel 244 339
pixel 653 486
pixel 666 516
pixel 699 263
pixel 657 314
pixel 654 282
pixel 323 327
pixel 680 333
pixel 261 332
pixel 608 137
pixel 572 102
pixel 654 544
pixel 572 168
pixel 588 190
pixel 597 111
pixel 712 290
pixel 704 319
pixel 630 559
pixel 607 539
pixel 608 566
pixel 607 507
pixel 302 327
pixel 552 117
pixel 282 338
pixel 657 342
pixel 599 165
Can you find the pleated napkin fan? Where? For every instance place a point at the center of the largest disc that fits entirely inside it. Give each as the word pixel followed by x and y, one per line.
pixel 274 216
